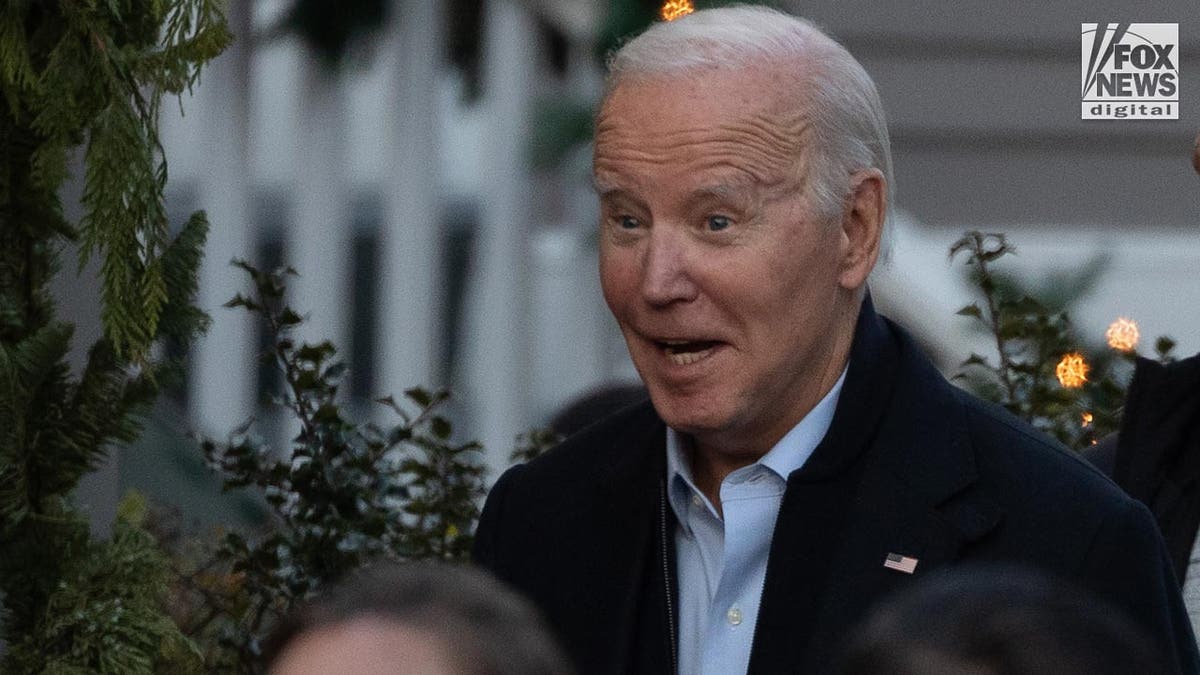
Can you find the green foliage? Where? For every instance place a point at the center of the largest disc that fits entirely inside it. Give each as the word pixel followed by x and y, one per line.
pixel 1030 341
pixel 342 495
pixel 58 427
pixel 94 74
pixel 331 28
pixel 88 74
pixel 560 125
pixel 104 615
pixel 533 444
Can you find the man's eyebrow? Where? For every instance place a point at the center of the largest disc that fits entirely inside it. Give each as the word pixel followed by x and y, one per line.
pixel 608 189
pixel 720 190
pixel 723 192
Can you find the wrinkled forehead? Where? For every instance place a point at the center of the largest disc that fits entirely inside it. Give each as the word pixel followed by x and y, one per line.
pixel 749 120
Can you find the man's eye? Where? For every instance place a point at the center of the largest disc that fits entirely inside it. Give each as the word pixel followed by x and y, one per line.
pixel 718 223
pixel 628 222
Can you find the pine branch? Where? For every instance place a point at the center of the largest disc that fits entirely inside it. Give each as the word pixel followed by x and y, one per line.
pixel 106 608
pixel 91 74
pixel 181 260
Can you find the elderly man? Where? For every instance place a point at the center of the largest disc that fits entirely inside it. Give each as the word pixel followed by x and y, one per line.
pixel 799 457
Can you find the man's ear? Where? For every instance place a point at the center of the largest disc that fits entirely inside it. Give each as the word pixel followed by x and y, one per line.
pixel 862 226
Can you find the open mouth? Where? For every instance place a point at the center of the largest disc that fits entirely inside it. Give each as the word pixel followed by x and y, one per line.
pixel 685 352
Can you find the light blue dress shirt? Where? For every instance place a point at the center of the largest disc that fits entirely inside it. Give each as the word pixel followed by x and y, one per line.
pixel 722 564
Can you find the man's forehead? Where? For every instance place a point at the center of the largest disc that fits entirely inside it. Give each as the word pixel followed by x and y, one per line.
pixel 756 100
pixel 725 136
pixel 726 186
pixel 766 87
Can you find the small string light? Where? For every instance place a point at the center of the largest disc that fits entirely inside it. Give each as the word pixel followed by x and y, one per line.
pixel 673 9
pixel 1072 370
pixel 1122 335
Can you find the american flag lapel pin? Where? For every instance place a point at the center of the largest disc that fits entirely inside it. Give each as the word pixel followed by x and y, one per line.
pixel 900 563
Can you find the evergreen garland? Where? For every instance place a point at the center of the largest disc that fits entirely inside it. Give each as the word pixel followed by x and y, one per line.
pixel 94 73
pixel 90 75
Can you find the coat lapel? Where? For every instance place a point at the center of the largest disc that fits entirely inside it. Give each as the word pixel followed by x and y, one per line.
pixel 585 558
pixel 624 576
pixel 894 475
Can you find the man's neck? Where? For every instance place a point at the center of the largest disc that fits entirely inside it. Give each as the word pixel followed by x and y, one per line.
pixel 712 462
pixel 709 467
pixel 713 456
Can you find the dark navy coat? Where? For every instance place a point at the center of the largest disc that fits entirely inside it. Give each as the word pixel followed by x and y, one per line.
pixel 911 465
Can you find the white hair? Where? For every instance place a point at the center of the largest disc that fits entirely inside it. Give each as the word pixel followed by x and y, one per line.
pixel 839 99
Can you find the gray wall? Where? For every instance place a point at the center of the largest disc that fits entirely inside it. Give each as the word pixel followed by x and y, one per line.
pixel 983 100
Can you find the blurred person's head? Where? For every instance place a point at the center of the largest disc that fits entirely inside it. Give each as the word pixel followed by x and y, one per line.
pixel 743 167
pixel 997 621
pixel 418 618
pixel 594 406
pixel 1196 154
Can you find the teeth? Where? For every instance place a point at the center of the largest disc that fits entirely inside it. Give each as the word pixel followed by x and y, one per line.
pixel 686 352
pixel 687 358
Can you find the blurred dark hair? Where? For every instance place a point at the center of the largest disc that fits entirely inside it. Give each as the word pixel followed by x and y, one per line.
pixel 997 621
pixel 492 630
pixel 595 405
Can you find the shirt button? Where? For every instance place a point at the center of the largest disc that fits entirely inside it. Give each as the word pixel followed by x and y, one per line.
pixel 734 616
pixel 697 501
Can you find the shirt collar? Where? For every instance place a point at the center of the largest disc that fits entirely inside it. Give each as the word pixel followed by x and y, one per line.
pixel 787 455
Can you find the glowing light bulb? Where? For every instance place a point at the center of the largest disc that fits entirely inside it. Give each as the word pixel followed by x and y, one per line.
pixel 1122 335
pixel 673 9
pixel 1072 370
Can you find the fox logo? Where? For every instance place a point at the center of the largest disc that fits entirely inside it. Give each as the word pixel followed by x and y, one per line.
pixel 1130 71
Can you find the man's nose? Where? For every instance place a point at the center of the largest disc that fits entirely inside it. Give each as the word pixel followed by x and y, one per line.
pixel 667 270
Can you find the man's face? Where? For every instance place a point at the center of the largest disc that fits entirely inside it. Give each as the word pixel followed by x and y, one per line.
pixel 729 289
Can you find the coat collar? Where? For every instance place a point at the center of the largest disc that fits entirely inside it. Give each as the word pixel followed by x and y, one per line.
pixel 895 474
pixel 897 406
pixel 1158 450
pixel 894 404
